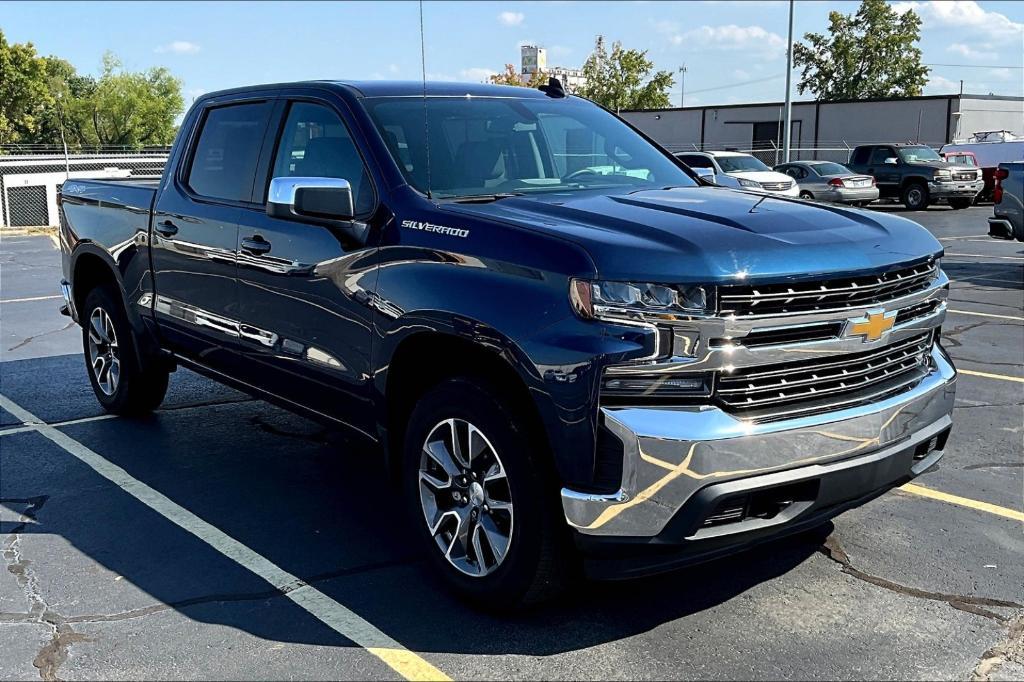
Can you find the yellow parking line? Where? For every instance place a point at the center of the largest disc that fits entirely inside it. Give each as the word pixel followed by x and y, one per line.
pixel 989 375
pixel 1001 317
pixel 915 489
pixel 335 615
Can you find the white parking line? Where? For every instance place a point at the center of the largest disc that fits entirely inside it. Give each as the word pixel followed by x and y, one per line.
pixel 342 620
pixel 954 239
pixel 1001 317
pixel 29 298
pixel 979 255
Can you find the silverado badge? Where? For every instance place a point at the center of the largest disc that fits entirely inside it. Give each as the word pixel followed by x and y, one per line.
pixel 872 326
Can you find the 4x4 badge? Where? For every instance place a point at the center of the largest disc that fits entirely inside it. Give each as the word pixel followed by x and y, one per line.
pixel 872 326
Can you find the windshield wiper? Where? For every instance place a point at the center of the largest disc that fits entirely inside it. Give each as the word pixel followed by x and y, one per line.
pixel 485 198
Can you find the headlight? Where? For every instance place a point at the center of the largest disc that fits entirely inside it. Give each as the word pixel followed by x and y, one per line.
pixel 752 184
pixel 943 176
pixel 630 301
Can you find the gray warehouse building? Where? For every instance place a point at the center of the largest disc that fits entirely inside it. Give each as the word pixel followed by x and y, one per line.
pixel 827 130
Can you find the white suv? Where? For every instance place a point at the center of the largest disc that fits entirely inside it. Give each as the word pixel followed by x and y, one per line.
pixel 743 171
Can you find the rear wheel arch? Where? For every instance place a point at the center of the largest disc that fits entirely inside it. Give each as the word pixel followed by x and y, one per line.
pixel 88 272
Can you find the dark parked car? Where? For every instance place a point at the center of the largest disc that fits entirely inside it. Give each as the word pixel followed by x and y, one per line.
pixel 916 175
pixel 1007 221
pixel 828 181
pixel 564 343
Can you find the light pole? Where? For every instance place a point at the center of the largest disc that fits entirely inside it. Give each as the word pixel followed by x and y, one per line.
pixel 789 100
pixel 682 86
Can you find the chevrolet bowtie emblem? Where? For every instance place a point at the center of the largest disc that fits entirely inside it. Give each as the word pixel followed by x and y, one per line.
pixel 873 326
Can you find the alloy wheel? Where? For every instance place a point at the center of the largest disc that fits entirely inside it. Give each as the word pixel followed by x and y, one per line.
pixel 465 497
pixel 104 354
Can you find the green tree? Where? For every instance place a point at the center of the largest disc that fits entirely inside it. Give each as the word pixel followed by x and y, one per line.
pixel 623 79
pixel 24 92
pixel 511 77
pixel 872 53
pixel 123 107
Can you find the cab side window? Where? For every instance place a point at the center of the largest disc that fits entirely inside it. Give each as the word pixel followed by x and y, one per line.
pixel 880 154
pixel 225 156
pixel 315 143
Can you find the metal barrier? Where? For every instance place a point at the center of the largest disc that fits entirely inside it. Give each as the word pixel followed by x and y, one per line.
pixel 30 178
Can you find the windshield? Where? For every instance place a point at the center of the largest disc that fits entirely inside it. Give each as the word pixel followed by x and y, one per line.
pixel 960 159
pixel 483 146
pixel 922 153
pixel 739 164
pixel 830 169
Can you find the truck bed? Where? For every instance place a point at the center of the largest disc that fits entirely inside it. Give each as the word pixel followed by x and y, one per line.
pixel 110 210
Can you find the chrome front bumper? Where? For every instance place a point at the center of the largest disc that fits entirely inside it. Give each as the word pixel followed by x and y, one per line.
pixel 672 453
pixel 941 190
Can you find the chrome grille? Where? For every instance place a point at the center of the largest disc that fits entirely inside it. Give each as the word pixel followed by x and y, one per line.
pixel 970 177
pixel 810 386
pixel 775 299
pixel 776 186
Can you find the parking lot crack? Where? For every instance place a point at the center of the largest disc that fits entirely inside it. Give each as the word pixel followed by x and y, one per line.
pixel 29 339
pixel 320 437
pixel 1010 649
pixel 966 603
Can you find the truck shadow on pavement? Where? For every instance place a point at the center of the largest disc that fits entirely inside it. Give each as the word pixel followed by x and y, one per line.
pixel 303 498
pixel 994 275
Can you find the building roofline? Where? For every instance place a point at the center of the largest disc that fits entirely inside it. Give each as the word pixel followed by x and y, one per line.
pixel 1006 98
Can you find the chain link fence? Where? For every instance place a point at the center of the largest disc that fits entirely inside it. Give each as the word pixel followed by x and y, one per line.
pixel 770 153
pixel 31 177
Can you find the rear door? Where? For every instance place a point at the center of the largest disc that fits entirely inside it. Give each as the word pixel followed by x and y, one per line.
pixel 305 289
pixel 195 228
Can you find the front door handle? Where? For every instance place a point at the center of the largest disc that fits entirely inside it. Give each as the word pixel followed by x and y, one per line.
pixel 255 245
pixel 167 229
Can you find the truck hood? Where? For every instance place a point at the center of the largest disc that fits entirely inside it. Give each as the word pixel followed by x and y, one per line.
pixel 714 234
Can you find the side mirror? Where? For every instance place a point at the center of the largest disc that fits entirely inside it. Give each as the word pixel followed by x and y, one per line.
pixel 705 173
pixel 323 200
pixel 892 161
pixel 304 198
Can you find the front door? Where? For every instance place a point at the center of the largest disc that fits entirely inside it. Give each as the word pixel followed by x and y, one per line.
pixel 305 288
pixel 195 230
pixel 887 176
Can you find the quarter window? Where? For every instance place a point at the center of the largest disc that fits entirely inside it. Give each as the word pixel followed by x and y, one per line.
pixel 224 161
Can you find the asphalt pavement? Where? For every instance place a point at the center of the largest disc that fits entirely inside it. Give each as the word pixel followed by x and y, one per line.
pixel 225 538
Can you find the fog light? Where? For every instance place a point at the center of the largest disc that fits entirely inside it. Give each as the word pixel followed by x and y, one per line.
pixel 654 385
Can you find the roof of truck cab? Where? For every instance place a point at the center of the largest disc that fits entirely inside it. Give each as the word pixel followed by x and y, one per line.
pixel 400 89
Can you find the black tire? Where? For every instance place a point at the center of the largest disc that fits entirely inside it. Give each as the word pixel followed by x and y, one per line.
pixel 804 194
pixel 960 204
pixel 915 196
pixel 539 558
pixel 132 391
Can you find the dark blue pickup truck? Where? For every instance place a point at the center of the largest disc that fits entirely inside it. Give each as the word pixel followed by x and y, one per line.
pixel 571 350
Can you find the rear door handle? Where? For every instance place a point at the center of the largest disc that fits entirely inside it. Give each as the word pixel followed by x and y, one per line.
pixel 167 228
pixel 255 245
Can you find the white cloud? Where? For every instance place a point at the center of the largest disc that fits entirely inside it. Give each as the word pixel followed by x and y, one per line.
pixel 968 52
pixel 964 15
pixel 511 18
pixel 476 74
pixel 753 39
pixel 178 47
pixel 1004 74
pixel 939 85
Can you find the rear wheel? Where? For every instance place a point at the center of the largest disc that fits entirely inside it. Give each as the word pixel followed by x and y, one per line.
pixel 479 499
pixel 915 196
pixel 804 194
pixel 111 356
pixel 958 204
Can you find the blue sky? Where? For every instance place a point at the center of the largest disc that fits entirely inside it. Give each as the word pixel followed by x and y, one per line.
pixel 734 51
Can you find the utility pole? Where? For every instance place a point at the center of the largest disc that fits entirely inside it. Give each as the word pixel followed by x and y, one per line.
pixel 682 86
pixel 787 134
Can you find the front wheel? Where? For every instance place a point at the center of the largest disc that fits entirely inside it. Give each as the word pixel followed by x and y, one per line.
pixel 915 196
pixel 480 500
pixel 804 194
pixel 959 204
pixel 110 353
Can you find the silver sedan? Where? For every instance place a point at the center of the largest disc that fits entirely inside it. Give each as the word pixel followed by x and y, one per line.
pixel 829 181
